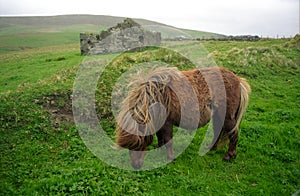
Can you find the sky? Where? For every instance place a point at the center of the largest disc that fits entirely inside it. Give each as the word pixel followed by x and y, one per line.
pixel 267 18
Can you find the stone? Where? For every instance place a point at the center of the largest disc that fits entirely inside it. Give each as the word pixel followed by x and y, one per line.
pixel 125 36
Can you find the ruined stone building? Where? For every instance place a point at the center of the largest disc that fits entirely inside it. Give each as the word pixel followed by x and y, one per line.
pixel 122 37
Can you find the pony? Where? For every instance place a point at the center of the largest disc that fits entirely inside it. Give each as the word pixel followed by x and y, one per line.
pixel 155 105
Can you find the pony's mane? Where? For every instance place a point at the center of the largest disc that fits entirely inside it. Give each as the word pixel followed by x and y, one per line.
pixel 135 124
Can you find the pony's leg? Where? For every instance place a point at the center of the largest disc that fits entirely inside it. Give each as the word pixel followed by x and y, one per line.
pixel 167 132
pixel 214 145
pixel 160 138
pixel 169 146
pixel 164 137
pixel 217 127
pixel 233 138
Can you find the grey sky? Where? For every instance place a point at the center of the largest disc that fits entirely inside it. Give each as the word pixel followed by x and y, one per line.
pixel 231 17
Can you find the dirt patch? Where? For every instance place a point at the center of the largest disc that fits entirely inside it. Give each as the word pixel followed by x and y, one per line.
pixel 59 106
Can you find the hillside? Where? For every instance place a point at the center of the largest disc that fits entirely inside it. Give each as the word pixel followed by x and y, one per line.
pixel 68 20
pixel 19 33
pixel 42 152
pixel 86 21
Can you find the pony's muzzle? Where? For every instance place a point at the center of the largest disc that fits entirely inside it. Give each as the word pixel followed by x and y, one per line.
pixel 137 158
pixel 137 166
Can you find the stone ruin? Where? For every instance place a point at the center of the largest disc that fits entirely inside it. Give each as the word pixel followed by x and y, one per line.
pixel 124 36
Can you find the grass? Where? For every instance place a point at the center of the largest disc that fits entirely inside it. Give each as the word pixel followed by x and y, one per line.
pixel 22 37
pixel 40 157
pixel 19 42
pixel 32 65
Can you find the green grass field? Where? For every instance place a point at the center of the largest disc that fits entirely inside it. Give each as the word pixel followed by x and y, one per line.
pixel 42 153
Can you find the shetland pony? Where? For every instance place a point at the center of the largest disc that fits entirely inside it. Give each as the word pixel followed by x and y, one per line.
pixel 168 90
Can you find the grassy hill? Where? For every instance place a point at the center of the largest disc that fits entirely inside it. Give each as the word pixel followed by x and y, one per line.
pixel 69 20
pixel 19 33
pixel 43 154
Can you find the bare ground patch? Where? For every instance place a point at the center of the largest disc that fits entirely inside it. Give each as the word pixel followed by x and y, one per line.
pixel 59 106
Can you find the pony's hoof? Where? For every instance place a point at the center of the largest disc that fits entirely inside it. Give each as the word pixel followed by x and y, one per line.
pixel 228 157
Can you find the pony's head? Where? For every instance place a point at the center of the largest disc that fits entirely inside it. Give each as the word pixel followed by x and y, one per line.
pixel 143 112
pixel 135 143
pixel 134 127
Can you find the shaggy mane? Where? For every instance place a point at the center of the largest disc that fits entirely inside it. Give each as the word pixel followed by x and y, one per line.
pixel 134 124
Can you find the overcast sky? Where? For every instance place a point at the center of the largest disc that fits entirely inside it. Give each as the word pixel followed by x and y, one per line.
pixel 230 17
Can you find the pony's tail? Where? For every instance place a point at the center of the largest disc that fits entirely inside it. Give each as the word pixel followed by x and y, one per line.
pixel 245 92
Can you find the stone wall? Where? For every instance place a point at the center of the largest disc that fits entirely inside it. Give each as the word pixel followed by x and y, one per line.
pixel 123 37
pixel 252 38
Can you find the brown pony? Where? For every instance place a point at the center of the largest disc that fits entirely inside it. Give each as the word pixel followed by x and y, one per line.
pixel 137 121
